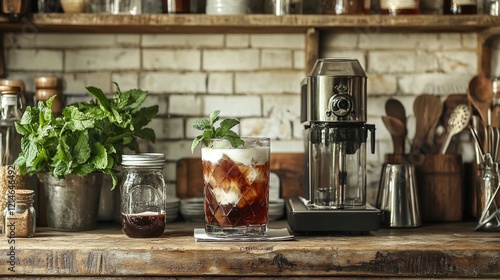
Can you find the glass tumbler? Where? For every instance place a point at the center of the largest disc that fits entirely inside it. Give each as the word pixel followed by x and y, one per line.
pixel 236 187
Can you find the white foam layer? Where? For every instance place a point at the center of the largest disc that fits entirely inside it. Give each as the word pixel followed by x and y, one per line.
pixel 247 156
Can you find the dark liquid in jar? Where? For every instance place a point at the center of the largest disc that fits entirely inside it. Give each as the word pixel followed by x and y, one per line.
pixel 143 225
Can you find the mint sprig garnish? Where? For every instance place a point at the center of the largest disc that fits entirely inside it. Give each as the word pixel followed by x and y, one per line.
pixel 210 131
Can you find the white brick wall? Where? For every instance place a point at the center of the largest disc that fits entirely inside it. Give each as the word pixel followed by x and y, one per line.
pixel 252 77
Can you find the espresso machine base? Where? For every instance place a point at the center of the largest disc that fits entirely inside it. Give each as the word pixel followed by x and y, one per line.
pixel 303 219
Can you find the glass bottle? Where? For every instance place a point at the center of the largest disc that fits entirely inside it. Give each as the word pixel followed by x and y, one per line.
pixel 10 141
pixel 492 7
pixel 460 7
pixel 143 193
pixel 19 214
pixel 399 7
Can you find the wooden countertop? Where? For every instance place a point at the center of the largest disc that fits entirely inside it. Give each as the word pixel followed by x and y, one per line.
pixel 439 250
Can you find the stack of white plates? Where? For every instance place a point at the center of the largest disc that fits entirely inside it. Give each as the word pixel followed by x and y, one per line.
pixel 192 209
pixel 172 209
pixel 276 209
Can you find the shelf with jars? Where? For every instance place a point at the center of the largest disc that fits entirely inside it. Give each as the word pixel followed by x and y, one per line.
pixel 293 16
pixel 201 23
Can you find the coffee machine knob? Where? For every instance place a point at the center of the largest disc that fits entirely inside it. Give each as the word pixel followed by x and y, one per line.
pixel 340 105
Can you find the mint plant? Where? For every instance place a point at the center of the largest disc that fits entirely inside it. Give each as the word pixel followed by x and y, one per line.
pixel 210 131
pixel 87 137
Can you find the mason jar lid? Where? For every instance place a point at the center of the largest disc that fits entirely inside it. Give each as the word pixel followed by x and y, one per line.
pixel 144 159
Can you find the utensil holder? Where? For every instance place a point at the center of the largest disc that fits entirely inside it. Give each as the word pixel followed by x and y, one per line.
pixel 440 185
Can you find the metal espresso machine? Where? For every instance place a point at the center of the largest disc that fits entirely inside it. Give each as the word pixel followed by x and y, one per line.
pixel 333 111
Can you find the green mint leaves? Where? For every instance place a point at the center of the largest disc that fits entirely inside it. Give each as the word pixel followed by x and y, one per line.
pixel 87 137
pixel 210 131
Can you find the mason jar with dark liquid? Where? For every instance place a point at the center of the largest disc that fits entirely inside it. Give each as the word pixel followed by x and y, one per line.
pixel 399 7
pixel 460 7
pixel 143 193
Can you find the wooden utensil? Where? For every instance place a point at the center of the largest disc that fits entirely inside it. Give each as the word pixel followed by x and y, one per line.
pixel 480 95
pixel 435 114
pixel 427 110
pixel 459 119
pixel 395 108
pixel 398 133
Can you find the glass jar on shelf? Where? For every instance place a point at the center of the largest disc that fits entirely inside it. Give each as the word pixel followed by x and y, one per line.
pixel 125 7
pixel 431 7
pixel 342 7
pixel 283 7
pixel 460 7
pixel 178 6
pixel 399 7
pixel 491 7
pixel 143 195
pixel 19 214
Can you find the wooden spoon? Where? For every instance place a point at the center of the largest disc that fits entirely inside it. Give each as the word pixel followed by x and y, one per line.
pixel 398 133
pixel 395 108
pixel 480 95
pixel 426 108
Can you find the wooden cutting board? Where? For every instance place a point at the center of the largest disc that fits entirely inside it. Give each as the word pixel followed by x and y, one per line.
pixel 289 167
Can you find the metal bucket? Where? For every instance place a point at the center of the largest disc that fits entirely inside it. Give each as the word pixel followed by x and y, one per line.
pixel 72 202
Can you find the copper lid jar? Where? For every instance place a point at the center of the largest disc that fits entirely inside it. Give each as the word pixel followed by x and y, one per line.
pixel 19 214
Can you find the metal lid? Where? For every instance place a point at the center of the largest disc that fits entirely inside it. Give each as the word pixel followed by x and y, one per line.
pixel 144 159
pixel 338 67
pixel 10 90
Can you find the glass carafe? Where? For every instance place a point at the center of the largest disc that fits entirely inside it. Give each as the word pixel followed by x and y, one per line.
pixel 338 166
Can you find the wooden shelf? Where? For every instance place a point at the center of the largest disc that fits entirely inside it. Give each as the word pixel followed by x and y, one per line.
pixel 198 23
pixel 487 27
pixel 439 250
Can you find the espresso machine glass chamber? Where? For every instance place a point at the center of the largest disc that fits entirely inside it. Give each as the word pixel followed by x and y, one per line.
pixel 333 111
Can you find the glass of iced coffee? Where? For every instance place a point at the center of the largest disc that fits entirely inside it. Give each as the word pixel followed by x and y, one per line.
pixel 236 187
